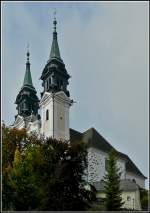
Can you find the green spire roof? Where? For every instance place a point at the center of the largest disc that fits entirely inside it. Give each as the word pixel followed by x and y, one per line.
pixel 27 77
pixel 55 53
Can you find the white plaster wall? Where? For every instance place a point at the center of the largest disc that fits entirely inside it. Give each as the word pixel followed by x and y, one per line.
pixel 58 124
pixel 139 180
pixel 47 125
pixel 19 123
pixel 60 120
pixel 35 127
pixel 121 164
pixel 42 117
pixel 134 202
pixel 96 165
pixel 61 116
pixel 138 200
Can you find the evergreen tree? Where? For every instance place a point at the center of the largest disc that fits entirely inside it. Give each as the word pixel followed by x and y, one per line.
pixel 112 189
pixel 144 197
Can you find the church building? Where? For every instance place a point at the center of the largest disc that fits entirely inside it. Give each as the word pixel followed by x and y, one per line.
pixel 53 121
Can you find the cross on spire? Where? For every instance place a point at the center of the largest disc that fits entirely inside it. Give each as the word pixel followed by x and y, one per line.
pixel 28 54
pixel 55 53
pixel 55 21
pixel 27 77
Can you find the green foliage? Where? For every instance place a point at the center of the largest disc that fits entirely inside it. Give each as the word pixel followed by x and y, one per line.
pixel 17 158
pixel 113 201
pixel 144 199
pixel 43 174
pixel 10 139
pixel 65 190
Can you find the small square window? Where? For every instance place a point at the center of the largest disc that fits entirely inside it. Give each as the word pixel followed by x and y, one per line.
pixel 128 198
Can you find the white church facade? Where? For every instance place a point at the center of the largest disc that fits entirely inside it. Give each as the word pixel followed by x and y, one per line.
pixel 53 121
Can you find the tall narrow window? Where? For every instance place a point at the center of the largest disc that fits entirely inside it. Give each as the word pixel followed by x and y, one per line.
pixel 46 86
pixel 58 83
pixel 50 81
pixel 47 114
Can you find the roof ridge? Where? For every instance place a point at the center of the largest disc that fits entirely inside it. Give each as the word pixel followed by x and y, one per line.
pixel 90 129
pixel 76 131
pixel 96 131
pixel 130 161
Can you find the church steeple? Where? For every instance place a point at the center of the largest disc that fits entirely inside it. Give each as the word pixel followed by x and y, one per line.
pixel 27 100
pixel 27 77
pixel 55 53
pixel 54 75
pixel 55 99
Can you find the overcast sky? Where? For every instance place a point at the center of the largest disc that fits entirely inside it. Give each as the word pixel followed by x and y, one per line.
pixel 104 46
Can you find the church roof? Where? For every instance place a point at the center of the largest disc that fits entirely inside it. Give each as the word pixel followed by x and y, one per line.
pixel 27 77
pixel 55 53
pixel 130 166
pixel 93 139
pixel 125 185
pixel 75 135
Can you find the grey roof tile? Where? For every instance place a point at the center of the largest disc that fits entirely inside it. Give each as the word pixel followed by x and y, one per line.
pixel 125 185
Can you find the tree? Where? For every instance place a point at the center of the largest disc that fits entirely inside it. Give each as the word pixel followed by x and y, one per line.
pixel 43 174
pixel 144 194
pixel 10 139
pixel 24 181
pixel 65 189
pixel 112 189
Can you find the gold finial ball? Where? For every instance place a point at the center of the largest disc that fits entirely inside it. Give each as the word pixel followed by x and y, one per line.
pixel 28 54
pixel 55 22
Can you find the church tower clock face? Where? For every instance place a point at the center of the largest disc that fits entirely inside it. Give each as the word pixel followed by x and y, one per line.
pixel 55 98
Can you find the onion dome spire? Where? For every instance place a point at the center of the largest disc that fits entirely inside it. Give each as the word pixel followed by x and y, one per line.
pixel 55 53
pixel 27 77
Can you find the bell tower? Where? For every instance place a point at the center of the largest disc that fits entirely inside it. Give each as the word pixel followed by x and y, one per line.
pixel 55 98
pixel 27 100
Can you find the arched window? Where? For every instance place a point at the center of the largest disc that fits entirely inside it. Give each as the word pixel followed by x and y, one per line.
pixel 47 84
pixel 47 115
pixel 57 82
pixel 49 81
pixel 61 83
